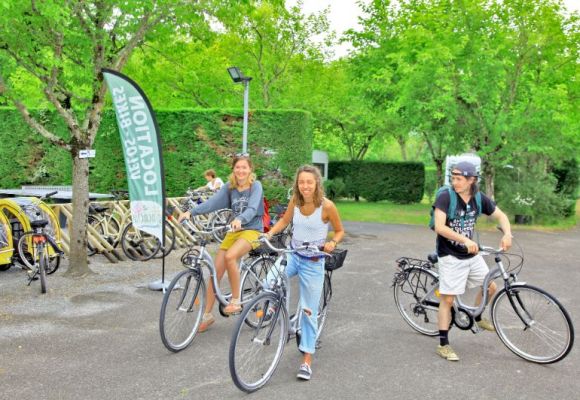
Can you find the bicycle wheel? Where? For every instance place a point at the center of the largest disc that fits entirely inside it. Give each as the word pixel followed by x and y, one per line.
pixel 138 245
pixel 95 223
pixel 42 265
pixel 255 351
pixel 182 310
pixel 220 219
pixel 532 324
pixel 26 251
pixel 323 305
pixel 113 229
pixel 169 241
pixel 252 278
pixel 416 307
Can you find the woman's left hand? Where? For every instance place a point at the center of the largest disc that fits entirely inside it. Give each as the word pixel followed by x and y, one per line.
pixel 236 225
pixel 329 246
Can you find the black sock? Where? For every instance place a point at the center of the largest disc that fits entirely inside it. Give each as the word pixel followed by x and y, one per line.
pixel 443 339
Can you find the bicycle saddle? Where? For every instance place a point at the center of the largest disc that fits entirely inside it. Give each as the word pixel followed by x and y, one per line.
pixel 41 223
pixel 433 258
pixel 97 209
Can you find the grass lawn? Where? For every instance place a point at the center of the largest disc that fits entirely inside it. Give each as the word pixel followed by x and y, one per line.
pixel 418 214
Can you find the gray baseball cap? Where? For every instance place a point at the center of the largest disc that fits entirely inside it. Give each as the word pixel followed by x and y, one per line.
pixel 466 168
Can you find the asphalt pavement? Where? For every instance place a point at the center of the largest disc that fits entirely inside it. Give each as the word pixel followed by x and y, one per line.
pixel 98 337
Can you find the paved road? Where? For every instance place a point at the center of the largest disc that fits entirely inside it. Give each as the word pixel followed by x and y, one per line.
pixel 98 338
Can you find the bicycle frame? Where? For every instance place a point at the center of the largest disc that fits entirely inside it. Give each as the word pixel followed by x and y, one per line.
pixel 475 311
pixel 204 259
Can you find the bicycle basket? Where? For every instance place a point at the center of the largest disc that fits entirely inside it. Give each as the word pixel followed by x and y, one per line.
pixel 336 259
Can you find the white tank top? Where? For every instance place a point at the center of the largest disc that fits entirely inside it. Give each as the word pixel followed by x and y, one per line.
pixel 308 228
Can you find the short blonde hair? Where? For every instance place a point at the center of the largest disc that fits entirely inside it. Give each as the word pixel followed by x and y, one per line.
pixel 232 178
pixel 318 192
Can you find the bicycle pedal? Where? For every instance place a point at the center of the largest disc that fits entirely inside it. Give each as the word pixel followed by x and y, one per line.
pixel 475 329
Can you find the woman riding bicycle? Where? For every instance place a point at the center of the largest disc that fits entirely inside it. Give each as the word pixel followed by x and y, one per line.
pixel 310 212
pixel 243 194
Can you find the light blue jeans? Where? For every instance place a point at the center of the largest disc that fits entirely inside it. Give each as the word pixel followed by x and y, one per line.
pixel 311 280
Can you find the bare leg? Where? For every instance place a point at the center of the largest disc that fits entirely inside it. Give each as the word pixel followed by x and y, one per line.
pixel 233 254
pixel 307 358
pixel 490 291
pixel 444 314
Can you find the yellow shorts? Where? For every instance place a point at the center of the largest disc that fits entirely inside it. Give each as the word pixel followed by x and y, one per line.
pixel 249 236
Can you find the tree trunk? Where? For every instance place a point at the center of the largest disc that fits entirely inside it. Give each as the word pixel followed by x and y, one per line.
pixel 440 172
pixel 489 176
pixel 78 230
pixel 403 145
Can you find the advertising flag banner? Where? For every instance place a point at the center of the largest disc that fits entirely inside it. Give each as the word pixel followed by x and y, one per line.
pixel 142 150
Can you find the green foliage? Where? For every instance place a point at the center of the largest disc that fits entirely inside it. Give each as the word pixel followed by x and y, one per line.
pixel 193 141
pixel 399 182
pixel 430 183
pixel 568 175
pixel 530 190
pixel 334 188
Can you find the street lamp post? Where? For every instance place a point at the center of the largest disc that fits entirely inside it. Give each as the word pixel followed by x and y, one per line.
pixel 237 76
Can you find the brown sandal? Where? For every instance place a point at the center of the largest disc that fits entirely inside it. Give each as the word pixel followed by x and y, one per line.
pixel 233 308
pixel 206 323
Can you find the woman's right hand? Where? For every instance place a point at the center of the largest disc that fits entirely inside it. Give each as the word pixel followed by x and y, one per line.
pixel 182 216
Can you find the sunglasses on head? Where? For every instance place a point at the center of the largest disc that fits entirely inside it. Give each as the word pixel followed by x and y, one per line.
pixel 242 155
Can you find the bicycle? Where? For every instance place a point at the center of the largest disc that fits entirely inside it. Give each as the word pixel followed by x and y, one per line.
pixel 210 221
pixel 264 327
pixel 108 221
pixel 37 257
pixel 184 300
pixel 529 321
pixel 139 245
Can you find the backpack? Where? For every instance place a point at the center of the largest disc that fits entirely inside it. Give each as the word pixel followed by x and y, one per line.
pixel 452 205
pixel 266 219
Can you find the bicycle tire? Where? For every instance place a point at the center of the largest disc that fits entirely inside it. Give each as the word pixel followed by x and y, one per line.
pixel 256 351
pixel 114 230
pixel 95 223
pixel 323 305
pixel 42 265
pixel 169 241
pixel 420 317
pixel 138 245
pixel 25 254
pixel 547 338
pixel 252 278
pixel 220 219
pixel 182 310
pixel 53 264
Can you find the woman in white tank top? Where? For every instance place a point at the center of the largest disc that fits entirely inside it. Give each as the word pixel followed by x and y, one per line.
pixel 310 213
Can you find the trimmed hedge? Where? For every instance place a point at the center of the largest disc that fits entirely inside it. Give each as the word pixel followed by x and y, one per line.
pixel 193 141
pixel 399 182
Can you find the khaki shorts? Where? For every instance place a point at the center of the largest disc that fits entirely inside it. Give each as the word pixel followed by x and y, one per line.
pixel 249 236
pixel 455 274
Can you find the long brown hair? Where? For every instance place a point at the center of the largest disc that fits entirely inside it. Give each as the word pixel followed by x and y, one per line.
pixel 232 178
pixel 318 192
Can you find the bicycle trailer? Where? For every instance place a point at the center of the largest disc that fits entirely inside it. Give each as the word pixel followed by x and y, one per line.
pixel 20 211
pixel 6 247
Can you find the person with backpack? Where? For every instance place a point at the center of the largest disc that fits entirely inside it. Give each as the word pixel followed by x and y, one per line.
pixel 310 214
pixel 244 195
pixel 455 213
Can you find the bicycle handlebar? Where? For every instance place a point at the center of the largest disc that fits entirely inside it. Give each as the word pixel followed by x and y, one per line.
pixel 305 246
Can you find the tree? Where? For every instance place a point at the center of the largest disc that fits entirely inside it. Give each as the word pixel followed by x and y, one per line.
pixel 62 46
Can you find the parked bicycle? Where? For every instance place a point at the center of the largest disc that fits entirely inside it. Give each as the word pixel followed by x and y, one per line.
pixel 207 222
pixel 264 327
pixel 139 245
pixel 109 221
pixel 529 321
pixel 184 301
pixel 33 246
